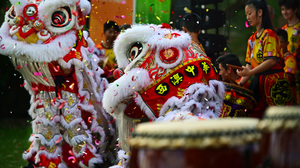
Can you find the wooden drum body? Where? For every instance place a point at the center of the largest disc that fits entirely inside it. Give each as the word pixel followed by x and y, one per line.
pixel 238 101
pixel 280 141
pixel 197 144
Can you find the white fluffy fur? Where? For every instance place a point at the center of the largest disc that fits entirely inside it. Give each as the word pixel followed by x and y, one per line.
pixel 85 7
pixel 62 165
pixel 46 52
pixel 177 116
pixel 94 160
pixel 115 94
pixel 147 34
pixel 198 100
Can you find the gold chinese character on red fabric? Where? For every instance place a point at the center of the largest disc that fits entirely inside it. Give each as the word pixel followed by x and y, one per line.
pixel 176 79
pixel 162 89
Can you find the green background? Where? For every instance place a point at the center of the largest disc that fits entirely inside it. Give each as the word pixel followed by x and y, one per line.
pixel 160 11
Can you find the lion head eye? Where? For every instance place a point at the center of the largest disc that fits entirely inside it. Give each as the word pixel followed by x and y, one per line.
pixel 11 13
pixel 134 51
pixel 61 17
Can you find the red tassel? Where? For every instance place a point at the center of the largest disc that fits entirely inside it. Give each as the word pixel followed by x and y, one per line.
pixel 233 93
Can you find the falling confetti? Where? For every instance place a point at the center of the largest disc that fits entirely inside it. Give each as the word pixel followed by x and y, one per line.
pixel 23 84
pixel 57 141
pixel 45 79
pixel 113 110
pixel 62 104
pixel 116 93
pixel 136 94
pixel 37 73
pixel 112 121
pixel 133 78
pixel 247 24
pixel 72 86
pixel 72 158
pixel 34 88
pixel 97 143
pixel 90 119
pixel 158 18
pixel 151 8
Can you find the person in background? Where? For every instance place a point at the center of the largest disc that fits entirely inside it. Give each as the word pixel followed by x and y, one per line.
pixel 290 62
pixel 289 10
pixel 104 50
pixel 124 27
pixel 271 14
pixel 289 58
pixel 191 24
pixel 264 60
pixel 229 74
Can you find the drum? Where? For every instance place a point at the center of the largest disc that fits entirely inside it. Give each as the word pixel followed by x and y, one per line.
pixel 195 144
pixel 280 141
pixel 238 101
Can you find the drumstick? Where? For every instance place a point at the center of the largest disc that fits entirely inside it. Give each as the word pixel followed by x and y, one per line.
pixel 235 67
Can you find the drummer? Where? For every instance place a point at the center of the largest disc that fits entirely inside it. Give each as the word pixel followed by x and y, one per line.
pixel 264 60
pixel 229 74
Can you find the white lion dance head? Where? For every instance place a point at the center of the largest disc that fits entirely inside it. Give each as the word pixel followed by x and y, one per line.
pixel 166 77
pixel 46 43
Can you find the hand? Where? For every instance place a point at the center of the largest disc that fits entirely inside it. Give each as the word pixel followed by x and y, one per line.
pixel 244 72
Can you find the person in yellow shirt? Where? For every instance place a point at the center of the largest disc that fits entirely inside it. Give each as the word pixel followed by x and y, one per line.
pixel 264 60
pixel 290 63
pixel 104 50
pixel 289 10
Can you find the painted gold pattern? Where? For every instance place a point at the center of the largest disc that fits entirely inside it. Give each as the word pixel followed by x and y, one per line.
pixel 238 101
pixel 180 92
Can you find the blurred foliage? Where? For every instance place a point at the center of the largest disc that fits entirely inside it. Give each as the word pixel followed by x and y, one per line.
pixel 13 142
pixel 149 11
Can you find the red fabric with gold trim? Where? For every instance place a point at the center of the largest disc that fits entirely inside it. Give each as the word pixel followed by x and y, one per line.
pixel 76 53
pixel 176 81
pixel 277 89
pixel 277 92
pixel 238 101
pixel 51 163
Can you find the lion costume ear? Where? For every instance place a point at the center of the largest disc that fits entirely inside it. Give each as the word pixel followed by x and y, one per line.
pixel 83 9
pixel 80 17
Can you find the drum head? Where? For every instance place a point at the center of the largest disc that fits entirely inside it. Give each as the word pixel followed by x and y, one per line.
pixel 196 134
pixel 283 117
